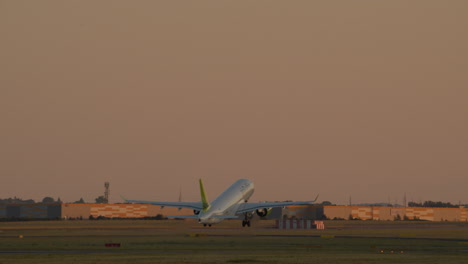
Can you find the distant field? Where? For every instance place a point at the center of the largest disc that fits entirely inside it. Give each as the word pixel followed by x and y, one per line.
pixel 187 242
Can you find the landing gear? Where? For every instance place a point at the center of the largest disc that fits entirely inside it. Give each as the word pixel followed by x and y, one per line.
pixel 209 225
pixel 246 221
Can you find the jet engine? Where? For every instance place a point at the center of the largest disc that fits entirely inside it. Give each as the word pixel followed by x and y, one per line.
pixel 263 212
pixel 196 212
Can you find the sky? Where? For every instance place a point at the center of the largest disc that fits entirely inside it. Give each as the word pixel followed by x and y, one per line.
pixel 360 99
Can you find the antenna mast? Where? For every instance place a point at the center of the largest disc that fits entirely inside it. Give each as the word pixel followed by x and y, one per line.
pixel 106 192
pixel 180 193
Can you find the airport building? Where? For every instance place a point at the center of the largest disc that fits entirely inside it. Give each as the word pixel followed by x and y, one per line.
pixel 32 211
pixel 375 213
pixel 86 211
pixel 313 212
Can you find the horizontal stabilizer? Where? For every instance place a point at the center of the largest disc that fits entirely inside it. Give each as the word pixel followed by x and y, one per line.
pixel 183 216
pixel 225 216
pixel 196 216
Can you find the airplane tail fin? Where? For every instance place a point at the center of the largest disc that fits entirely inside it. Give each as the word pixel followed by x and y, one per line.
pixel 205 203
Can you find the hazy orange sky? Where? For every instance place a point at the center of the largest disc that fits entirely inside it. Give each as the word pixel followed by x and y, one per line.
pixel 367 99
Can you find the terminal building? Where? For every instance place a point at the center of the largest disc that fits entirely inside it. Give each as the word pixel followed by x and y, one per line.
pixel 312 212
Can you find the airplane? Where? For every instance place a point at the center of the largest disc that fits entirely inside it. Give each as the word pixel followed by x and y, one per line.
pixel 228 205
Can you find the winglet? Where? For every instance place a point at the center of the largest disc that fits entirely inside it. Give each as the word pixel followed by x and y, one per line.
pixel 316 198
pixel 205 203
pixel 123 198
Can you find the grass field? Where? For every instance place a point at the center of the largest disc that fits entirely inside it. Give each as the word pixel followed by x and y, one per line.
pixel 187 242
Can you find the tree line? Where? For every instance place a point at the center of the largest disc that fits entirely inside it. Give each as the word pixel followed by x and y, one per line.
pixel 433 204
pixel 47 200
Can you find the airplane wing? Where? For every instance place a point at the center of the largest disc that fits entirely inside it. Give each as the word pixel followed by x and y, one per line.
pixel 191 205
pixel 249 207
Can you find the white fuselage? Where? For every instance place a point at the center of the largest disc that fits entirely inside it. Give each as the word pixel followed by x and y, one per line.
pixel 228 202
